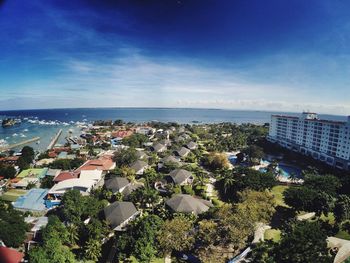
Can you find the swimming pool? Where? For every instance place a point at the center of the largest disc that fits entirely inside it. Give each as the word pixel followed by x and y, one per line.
pixel 285 170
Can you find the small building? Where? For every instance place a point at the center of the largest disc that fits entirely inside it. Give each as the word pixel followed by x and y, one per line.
pixel 139 167
pixel 141 155
pixel 182 152
pixel 165 142
pixel 65 175
pixel 169 160
pixel 33 201
pixel 116 184
pixel 181 177
pixel 145 130
pixel 158 148
pixel 36 223
pixel 103 164
pixel 11 160
pixel 55 194
pixel 182 203
pixel 119 214
pixel 192 145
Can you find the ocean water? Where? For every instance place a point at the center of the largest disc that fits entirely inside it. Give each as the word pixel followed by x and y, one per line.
pixel 46 123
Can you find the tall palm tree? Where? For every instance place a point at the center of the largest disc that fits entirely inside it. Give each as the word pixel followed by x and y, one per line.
pixel 228 183
pixel 93 249
pixel 73 235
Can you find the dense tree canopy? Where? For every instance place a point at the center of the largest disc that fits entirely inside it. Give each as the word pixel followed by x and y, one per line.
pixel 216 161
pixel 12 226
pixel 303 242
pixel 125 157
pixel 175 235
pixel 243 178
pixel 7 171
pixel 54 248
pixel 66 164
pixel 136 140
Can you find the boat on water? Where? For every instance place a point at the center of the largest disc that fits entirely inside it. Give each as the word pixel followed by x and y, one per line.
pixel 8 122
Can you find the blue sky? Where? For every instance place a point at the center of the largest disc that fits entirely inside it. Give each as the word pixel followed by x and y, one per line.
pixel 237 54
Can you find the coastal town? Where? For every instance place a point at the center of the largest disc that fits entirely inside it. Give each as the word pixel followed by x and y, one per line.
pixel 169 192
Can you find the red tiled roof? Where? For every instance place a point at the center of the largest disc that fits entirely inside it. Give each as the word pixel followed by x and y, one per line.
pixel 65 176
pixel 52 154
pixel 103 164
pixel 121 134
pixel 9 255
pixel 9 159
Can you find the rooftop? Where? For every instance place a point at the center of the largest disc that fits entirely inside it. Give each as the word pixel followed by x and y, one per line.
pixel 33 200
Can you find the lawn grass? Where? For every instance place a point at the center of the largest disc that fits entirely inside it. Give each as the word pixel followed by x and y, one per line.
pixel 272 234
pixel 343 235
pixel 12 195
pixel 277 192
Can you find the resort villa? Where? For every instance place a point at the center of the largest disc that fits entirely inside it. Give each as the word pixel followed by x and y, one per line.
pixel 324 140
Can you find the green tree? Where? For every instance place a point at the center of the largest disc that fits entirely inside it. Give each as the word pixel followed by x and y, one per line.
pixel 322 183
pixel 136 140
pixel 125 157
pixel 310 200
pixel 216 161
pixel 303 242
pixel 175 235
pixel 12 226
pixel 72 234
pixel 145 234
pixel 73 206
pixel 92 250
pixel 7 171
pixel 342 208
pixel 145 197
pixel 254 153
pixel 207 232
pixel 47 182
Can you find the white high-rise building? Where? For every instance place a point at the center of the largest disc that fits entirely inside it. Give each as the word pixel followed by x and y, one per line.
pixel 325 140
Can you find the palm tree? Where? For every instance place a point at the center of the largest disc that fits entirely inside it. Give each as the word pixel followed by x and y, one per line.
pixel 128 173
pixel 228 183
pixel 93 250
pixel 73 235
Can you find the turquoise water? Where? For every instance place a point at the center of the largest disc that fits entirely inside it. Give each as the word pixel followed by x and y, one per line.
pixel 286 170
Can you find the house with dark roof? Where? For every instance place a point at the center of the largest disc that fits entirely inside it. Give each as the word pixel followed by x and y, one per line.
pixel 158 148
pixel 192 145
pixel 165 142
pixel 182 203
pixel 116 184
pixel 181 177
pixel 141 155
pixel 182 152
pixel 139 167
pixel 119 214
pixel 121 185
pixel 169 160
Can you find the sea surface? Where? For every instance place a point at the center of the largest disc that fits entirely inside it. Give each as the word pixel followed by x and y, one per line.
pixel 46 123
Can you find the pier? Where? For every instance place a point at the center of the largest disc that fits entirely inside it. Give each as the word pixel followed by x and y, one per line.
pixel 9 147
pixel 54 140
